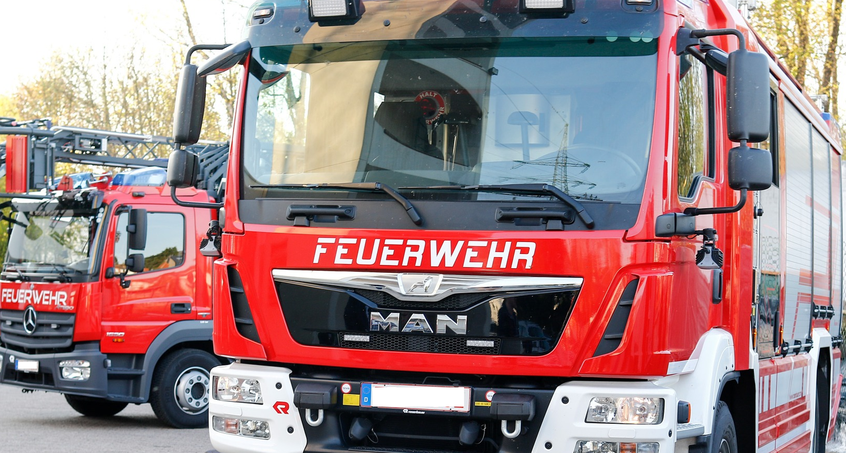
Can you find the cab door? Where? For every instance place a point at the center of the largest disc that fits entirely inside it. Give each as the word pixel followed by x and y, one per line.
pixel 139 305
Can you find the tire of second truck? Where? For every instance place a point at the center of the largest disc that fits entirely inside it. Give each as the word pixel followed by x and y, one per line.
pixel 724 437
pixel 181 388
pixel 94 407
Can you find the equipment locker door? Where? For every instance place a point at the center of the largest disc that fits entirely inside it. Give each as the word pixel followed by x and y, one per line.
pixel 768 244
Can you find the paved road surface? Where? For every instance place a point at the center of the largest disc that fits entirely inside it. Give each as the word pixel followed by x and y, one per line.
pixel 43 422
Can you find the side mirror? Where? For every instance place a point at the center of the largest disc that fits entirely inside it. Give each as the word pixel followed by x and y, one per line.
pixel 135 262
pixel 190 106
pixel 183 169
pixel 750 169
pixel 137 229
pixel 748 96
pixel 191 90
pixel 33 232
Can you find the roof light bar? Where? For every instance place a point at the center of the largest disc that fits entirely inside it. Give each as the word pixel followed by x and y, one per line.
pixel 334 10
pixel 547 6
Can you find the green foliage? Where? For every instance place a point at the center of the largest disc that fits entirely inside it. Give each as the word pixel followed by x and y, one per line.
pixel 7 107
pixel 804 36
pixel 169 257
pixel 119 94
pixel 4 224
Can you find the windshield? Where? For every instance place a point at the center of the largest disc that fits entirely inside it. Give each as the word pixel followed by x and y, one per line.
pixel 573 113
pixel 58 242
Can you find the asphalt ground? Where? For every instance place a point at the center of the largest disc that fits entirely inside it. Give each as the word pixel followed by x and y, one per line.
pixel 43 422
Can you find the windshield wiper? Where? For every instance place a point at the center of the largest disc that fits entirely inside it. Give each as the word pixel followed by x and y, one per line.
pixel 62 270
pixel 21 275
pixel 375 186
pixel 533 189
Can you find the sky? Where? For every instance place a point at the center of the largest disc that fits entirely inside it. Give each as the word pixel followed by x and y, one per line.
pixel 33 31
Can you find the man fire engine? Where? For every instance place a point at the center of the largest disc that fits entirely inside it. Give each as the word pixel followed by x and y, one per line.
pixel 104 294
pixel 520 225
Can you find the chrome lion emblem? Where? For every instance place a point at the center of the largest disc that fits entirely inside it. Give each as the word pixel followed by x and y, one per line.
pixel 419 284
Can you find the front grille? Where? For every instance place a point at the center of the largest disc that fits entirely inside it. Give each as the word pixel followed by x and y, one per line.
pixel 53 332
pixel 421 343
pixel 526 323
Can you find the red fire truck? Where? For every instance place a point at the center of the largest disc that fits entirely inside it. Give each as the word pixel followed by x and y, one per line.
pixel 520 225
pixel 104 295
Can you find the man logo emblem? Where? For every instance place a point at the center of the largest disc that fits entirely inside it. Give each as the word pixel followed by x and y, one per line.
pixel 30 320
pixel 419 284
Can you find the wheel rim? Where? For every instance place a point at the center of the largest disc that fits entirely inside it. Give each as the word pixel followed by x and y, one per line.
pixel 724 446
pixel 191 390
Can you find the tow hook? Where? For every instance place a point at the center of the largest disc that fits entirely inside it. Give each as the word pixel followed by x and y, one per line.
pixel 315 398
pixel 512 407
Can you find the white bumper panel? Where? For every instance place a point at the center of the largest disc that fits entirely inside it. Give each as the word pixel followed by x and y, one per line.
pixel 561 427
pixel 564 423
pixel 286 428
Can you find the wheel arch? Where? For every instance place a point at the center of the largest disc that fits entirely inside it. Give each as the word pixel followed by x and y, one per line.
pixel 179 335
pixel 737 390
pixel 824 376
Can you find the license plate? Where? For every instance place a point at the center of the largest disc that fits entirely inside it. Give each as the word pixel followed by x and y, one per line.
pixel 26 366
pixel 415 397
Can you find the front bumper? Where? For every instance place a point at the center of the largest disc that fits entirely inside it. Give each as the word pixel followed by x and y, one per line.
pixel 558 422
pixel 49 376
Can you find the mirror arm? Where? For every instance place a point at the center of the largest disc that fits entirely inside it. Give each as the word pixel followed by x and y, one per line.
pixel 722 210
pixel 197 47
pixel 721 32
pixel 192 204
pixel 124 283
pixel 689 38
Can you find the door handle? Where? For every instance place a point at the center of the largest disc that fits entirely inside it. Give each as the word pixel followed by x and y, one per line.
pixel 180 308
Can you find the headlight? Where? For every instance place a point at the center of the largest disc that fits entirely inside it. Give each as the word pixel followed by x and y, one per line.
pixel 75 370
pixel 600 446
pixel 631 410
pixel 241 427
pixel 237 390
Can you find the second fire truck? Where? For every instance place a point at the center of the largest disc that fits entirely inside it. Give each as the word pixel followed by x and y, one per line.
pixel 104 293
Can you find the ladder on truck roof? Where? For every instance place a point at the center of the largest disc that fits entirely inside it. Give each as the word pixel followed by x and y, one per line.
pixel 33 148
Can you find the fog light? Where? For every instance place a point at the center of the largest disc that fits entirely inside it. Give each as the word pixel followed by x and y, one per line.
pixel 601 446
pixel 236 390
pixel 631 410
pixel 75 370
pixel 258 429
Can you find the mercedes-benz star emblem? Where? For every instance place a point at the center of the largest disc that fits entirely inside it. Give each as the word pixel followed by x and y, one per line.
pixel 30 319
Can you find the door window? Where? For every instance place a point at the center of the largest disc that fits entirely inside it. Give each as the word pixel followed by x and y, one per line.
pixel 165 241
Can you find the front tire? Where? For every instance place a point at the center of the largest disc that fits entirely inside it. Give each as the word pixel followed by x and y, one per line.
pixel 724 437
pixel 94 407
pixel 181 383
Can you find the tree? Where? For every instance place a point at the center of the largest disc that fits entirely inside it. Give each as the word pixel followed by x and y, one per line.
pixel 223 87
pixel 804 35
